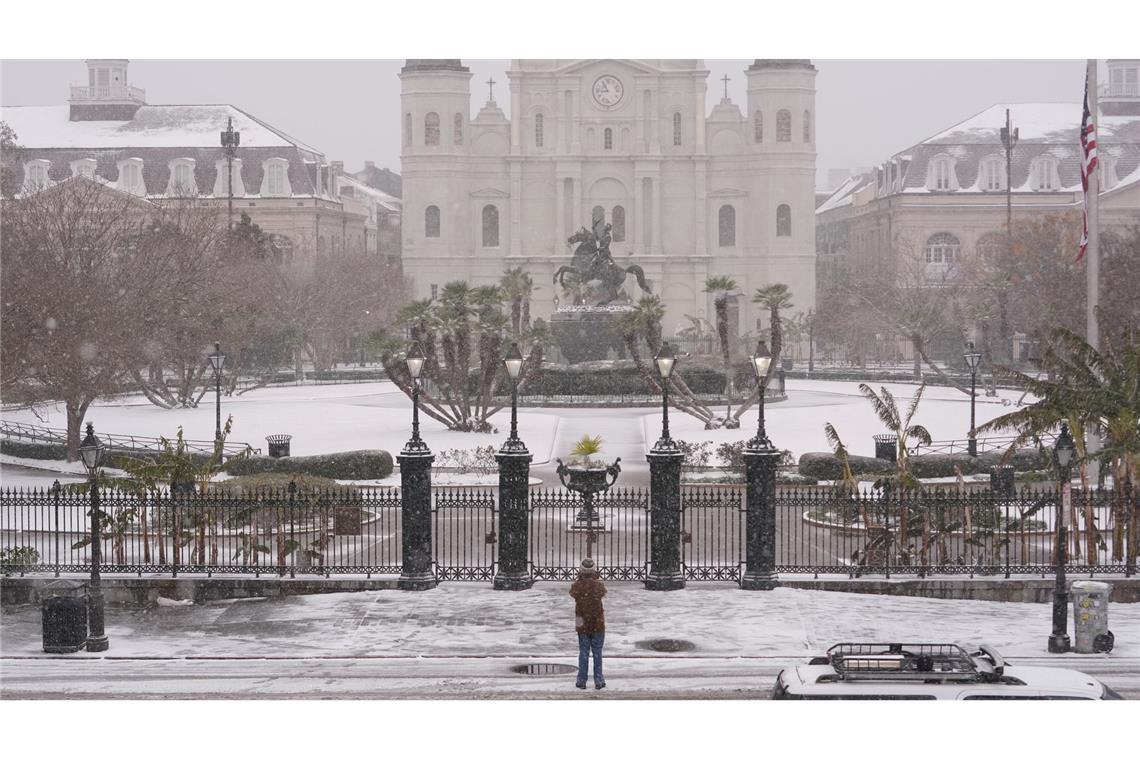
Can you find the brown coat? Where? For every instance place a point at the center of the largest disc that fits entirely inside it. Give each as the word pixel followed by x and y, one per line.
pixel 589 616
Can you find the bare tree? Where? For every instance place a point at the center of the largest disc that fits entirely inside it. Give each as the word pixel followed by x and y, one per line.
pixel 85 270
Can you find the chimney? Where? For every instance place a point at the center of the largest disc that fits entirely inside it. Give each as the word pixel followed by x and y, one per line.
pixel 369 165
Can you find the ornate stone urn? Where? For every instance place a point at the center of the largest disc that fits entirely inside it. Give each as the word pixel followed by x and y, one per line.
pixel 588 478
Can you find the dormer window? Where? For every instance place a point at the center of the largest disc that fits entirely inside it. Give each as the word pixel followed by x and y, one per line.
pixel 83 167
pixel 36 174
pixel 275 178
pixel 941 175
pixel 1044 174
pixel 1106 168
pixel 131 177
pixel 222 179
pixel 182 182
pixel 991 174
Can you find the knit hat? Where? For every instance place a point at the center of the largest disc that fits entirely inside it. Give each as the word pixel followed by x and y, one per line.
pixel 588 566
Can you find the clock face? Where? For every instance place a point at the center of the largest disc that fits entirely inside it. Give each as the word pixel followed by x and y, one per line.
pixel 608 91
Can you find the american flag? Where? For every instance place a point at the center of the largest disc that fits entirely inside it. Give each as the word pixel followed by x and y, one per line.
pixel 1088 165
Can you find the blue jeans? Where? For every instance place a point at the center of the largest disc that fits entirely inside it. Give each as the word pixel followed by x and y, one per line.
pixel 590 642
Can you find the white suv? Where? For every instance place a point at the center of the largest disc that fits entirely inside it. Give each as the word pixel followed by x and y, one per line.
pixel 929 671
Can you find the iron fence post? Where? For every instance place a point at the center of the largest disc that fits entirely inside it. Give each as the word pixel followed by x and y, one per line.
pixel 415 515
pixel 292 529
pixel 665 517
pixel 760 459
pixel 513 571
pixel 55 493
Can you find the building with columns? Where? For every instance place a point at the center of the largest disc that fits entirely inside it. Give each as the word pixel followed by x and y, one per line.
pixel 690 194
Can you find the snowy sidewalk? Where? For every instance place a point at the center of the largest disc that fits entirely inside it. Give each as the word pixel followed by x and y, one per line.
pixel 458 638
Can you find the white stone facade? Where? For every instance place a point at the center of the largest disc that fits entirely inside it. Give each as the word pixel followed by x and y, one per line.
pixel 630 137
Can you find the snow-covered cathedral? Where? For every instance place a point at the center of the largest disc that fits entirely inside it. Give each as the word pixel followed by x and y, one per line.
pixel 689 195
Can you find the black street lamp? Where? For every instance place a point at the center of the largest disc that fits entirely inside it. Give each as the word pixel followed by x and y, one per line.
pixel 665 459
pixel 415 493
pixel 1064 451
pixel 217 359
pixel 231 139
pixel 973 358
pixel 761 361
pixel 513 571
pixel 760 461
pixel 91 451
pixel 415 362
pixel 513 362
pixel 665 360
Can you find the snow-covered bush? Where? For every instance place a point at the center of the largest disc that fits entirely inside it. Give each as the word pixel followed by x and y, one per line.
pixel 344 465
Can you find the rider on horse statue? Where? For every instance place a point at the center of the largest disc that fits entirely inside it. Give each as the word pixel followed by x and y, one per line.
pixel 593 263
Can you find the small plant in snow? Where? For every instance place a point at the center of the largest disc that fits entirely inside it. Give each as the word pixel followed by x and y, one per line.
pixel 586 447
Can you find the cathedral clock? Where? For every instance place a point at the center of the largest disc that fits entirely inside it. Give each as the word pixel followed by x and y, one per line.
pixel 608 91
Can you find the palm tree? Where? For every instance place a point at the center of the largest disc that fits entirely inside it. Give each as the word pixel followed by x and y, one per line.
pixel 517 287
pixel 721 286
pixel 774 298
pixel 1092 390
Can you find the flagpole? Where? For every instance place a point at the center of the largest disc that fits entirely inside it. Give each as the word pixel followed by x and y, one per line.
pixel 1092 261
pixel 1092 256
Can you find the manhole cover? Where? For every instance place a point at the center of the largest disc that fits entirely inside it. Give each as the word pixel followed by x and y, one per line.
pixel 667 645
pixel 544 669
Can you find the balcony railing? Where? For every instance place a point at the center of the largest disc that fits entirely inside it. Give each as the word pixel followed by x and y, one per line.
pixel 115 92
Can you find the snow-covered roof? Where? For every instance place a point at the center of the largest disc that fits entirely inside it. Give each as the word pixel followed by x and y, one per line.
pixel 180 126
pixel 844 195
pixel 360 189
pixel 1044 130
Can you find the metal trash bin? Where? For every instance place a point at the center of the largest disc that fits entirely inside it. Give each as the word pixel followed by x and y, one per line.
pixel 885 447
pixel 279 444
pixel 1090 617
pixel 65 617
pixel 1001 480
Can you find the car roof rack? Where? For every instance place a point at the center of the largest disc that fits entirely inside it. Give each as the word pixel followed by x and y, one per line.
pixel 896 661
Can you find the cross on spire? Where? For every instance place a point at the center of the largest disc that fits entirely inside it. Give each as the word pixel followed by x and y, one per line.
pixel 725 80
pixel 491 90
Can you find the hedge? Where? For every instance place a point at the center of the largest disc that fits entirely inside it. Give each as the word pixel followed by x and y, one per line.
pixel 345 465
pixel 615 377
pixel 826 466
pixel 58 452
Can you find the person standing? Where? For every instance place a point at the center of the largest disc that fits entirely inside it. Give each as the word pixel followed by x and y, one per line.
pixel 589 621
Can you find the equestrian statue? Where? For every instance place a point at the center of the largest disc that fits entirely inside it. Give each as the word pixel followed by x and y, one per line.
pixel 593 264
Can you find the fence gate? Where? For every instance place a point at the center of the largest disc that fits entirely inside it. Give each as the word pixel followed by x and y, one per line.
pixel 561 536
pixel 464 534
pixel 712 533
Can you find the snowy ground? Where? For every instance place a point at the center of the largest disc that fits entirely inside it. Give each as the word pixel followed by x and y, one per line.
pixel 328 418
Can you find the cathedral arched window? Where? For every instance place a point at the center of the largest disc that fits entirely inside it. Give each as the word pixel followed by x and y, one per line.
pixel 677 128
pixel 431 222
pixel 758 127
pixel 608 139
pixel 431 129
pixel 807 126
pixel 407 129
pixel 458 129
pixel 490 226
pixel 727 225
pixel 538 126
pixel 783 220
pixel 783 125
pixel 618 221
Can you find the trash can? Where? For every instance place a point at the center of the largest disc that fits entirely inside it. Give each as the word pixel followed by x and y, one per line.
pixel 885 447
pixel 1090 617
pixel 1001 480
pixel 279 444
pixel 65 617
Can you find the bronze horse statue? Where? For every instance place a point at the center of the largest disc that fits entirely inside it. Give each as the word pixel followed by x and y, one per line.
pixel 592 262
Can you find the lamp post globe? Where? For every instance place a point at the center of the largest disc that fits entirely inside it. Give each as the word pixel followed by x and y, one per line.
pixel 217 360
pixel 415 362
pixel 973 358
pixel 1064 451
pixel 92 451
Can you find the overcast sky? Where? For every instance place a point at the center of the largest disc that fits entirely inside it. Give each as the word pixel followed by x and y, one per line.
pixel 350 109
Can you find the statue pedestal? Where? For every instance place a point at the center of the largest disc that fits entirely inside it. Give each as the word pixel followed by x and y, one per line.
pixel 588 333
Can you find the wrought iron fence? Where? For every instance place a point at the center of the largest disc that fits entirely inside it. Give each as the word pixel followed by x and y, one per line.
pixel 128 444
pixel 819 530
